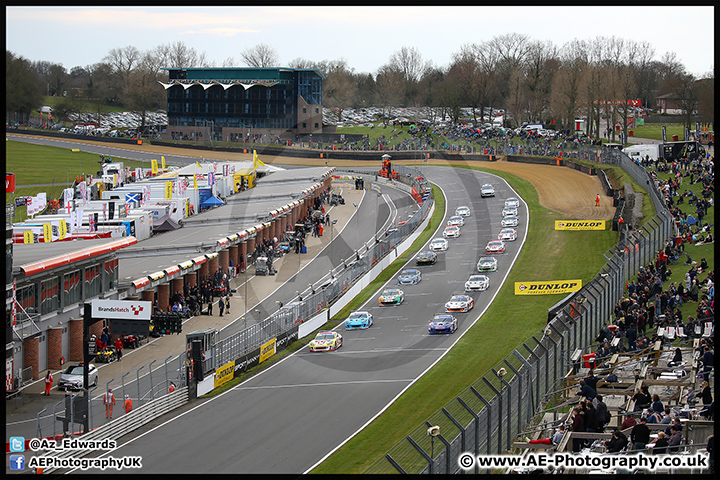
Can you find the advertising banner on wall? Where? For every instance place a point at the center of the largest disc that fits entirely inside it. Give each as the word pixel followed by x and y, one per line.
pixel 547 288
pixel 579 224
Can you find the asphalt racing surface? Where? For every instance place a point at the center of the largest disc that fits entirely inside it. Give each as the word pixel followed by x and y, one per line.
pixel 289 417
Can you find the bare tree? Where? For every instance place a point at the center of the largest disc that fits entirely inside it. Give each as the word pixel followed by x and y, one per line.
pixel 122 62
pixel 260 56
pixel 409 63
pixel 390 89
pixel 339 87
pixel 567 83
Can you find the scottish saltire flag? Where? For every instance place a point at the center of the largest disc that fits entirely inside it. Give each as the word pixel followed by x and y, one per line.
pixel 132 198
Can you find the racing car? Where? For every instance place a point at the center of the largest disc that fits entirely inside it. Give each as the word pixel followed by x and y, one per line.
pixel 487 190
pixel 456 220
pixel 451 231
pixel 359 320
pixel 326 341
pixel 442 324
pixel 495 246
pixel 463 211
pixel 439 245
pixel 460 303
pixel 477 283
pixel 507 234
pixel 507 211
pixel 391 296
pixel 510 221
pixel 487 264
pixel 512 202
pixel 409 277
pixel 426 258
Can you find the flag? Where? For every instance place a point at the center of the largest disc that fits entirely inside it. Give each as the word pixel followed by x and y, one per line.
pixel 28 237
pixel 163 161
pixel 211 179
pixel 104 212
pixel 132 198
pixel 154 166
pixel 112 210
pixel 62 229
pixel 194 182
pixel 256 161
pixel 198 164
pixel 168 190
pixel 47 232
pixel 55 230
pixel 92 222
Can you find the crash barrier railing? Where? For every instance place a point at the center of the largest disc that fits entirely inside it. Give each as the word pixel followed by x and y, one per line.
pixel 142 384
pixel 126 423
pixel 488 415
pixel 321 294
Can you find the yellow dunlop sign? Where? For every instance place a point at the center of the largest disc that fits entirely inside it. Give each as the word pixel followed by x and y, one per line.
pixel 547 288
pixel 224 374
pixel 267 350
pixel 579 224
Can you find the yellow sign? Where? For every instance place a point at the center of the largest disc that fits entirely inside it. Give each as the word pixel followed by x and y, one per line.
pixel 163 162
pixel 194 182
pixel 267 350
pixel 224 374
pixel 579 224
pixel 47 232
pixel 168 190
pixel 547 288
pixel 154 166
pixel 28 236
pixel 63 229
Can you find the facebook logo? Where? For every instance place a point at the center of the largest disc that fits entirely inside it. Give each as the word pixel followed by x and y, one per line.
pixel 17 444
pixel 17 462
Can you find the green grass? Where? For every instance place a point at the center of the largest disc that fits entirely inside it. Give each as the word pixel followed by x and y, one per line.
pixel 53 168
pixel 653 131
pixel 509 321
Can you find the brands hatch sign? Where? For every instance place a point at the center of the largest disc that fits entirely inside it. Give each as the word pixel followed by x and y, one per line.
pixel 125 309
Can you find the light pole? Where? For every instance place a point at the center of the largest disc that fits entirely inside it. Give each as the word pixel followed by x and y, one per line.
pixel 433 432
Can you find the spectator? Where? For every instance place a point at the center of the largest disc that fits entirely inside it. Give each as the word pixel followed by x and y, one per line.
pixel 657 405
pixel 661 444
pixel 640 434
pixel 603 414
pixel 675 439
pixel 586 391
pixel 617 443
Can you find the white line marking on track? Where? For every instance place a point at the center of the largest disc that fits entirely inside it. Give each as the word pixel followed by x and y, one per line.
pixel 325 384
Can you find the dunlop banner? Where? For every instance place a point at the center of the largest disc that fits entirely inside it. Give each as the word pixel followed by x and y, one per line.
pixel 267 350
pixel 579 224
pixel 547 288
pixel 224 374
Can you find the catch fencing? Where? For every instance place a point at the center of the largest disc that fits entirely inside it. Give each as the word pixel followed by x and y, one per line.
pixel 486 417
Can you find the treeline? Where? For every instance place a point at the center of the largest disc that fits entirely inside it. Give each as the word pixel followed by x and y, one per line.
pixel 531 80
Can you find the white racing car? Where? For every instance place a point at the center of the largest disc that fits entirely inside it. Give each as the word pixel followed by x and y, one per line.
pixel 460 303
pixel 507 234
pixel 439 245
pixel 477 283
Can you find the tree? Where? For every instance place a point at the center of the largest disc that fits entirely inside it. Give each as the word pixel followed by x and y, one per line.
pixel 122 62
pixel 339 87
pixel 260 56
pixel 179 55
pixel 23 89
pixel 409 63
pixel 390 89
pixel 57 78
pixel 567 83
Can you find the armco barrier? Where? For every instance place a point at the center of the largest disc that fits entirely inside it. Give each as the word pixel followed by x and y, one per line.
pixel 490 413
pixel 125 424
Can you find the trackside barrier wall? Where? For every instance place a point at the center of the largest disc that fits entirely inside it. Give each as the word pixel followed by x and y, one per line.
pixel 124 424
pixel 487 416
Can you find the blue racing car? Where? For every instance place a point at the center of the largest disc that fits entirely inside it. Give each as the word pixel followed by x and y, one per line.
pixel 443 324
pixel 359 320
pixel 409 277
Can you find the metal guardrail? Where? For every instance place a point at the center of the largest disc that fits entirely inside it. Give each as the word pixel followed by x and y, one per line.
pixel 125 424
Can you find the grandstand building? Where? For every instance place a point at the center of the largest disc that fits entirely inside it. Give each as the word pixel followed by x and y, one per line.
pixel 234 104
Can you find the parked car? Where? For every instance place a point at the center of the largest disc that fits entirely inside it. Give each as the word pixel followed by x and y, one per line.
pixel 72 377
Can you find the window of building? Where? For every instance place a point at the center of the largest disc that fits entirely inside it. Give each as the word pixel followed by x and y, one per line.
pixel 111 275
pixel 72 288
pixel 25 297
pixel 93 282
pixel 49 296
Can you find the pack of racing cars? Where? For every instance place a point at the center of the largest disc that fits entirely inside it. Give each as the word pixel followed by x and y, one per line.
pixel 460 302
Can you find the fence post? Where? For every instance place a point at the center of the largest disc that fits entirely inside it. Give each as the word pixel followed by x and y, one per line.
pixel 476 418
pixel 489 426
pixel 427 457
pixel 446 443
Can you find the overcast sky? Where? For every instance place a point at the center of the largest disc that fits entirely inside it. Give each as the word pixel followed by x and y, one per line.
pixel 364 36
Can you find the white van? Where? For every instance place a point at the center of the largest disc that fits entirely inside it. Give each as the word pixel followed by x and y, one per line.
pixel 640 151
